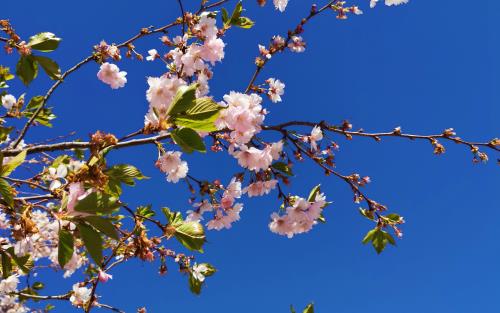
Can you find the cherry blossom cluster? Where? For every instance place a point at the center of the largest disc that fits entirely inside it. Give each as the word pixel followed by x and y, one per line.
pixel 298 218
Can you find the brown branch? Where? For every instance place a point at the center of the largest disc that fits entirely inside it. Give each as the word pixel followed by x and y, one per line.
pixel 312 14
pixel 26 182
pixel 83 145
pixel 377 136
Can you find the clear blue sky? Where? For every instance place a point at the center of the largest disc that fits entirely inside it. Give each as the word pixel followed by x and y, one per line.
pixel 425 66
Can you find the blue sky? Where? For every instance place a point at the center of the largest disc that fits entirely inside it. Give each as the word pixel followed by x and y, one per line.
pixel 425 66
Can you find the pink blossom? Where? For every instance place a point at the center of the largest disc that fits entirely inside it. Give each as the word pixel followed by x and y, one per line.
pixel 104 277
pixel 213 50
pixel 280 4
pixel 206 26
pixel 316 135
pixel 152 55
pixel 76 190
pixel 171 164
pixel 297 44
pixel 110 74
pixel 260 188
pixel 8 101
pixel 276 89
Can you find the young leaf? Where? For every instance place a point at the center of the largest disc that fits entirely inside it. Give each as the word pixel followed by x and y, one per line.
pixel 194 285
pixel 283 168
pixel 183 100
pixel 44 42
pixel 121 173
pixel 4 132
pixel 26 69
pixel 369 236
pixel 103 225
pixel 309 308
pixel 13 163
pixel 50 67
pixel 207 125
pixel 6 264
pixel 97 203
pixel 188 140
pixel 65 248
pixel 191 235
pixel 201 116
pixel 92 241
pixel 313 193
pixel 7 192
pixel 45 115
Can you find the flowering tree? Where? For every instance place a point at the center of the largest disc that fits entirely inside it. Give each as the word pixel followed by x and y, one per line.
pixel 61 209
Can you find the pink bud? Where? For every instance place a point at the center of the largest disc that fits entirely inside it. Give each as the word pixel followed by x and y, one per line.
pixel 104 277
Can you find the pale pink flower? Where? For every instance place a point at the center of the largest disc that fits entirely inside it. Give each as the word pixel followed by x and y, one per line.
pixel 104 277
pixel 297 44
pixel 171 164
pixel 243 115
pixel 316 135
pixel 8 101
pixel 110 74
pixel 76 191
pixel 373 3
pixel 276 89
pixel 280 4
pixel 213 50
pixel 162 90
pixel 80 295
pixel 206 26
pixel 260 188
pixel 152 55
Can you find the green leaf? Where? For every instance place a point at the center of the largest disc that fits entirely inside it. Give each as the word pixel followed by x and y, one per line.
pixel 379 239
pixel 292 309
pixel 50 67
pixel 195 285
pixel 283 168
pixel 92 241
pixel 237 19
pixel 4 132
pixel 121 173
pixel 188 140
pixel 45 115
pixel 236 13
pixel 207 125
pixel 201 116
pixel 145 211
pixel 65 248
pixel 13 163
pixel 174 218
pixel 125 173
pixel 244 22
pixel 313 193
pixel 45 42
pixel 367 213
pixel 225 16
pixel 5 75
pixel 97 202
pixel 369 236
pixel 201 107
pixel 7 192
pixel 183 100
pixel 191 235
pixel 103 225
pixel 26 69
pixel 6 264
pixel 25 263
pixel 38 285
pixel 309 308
